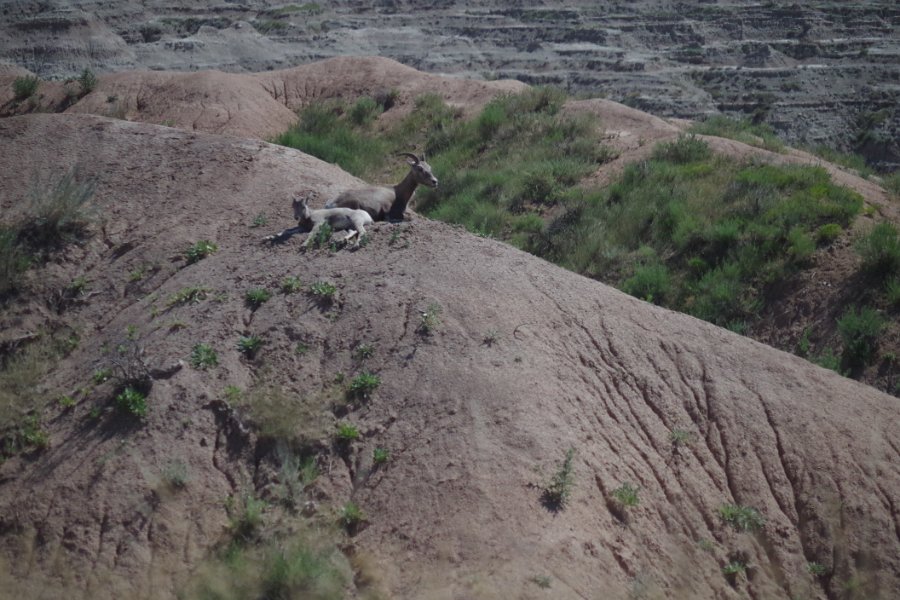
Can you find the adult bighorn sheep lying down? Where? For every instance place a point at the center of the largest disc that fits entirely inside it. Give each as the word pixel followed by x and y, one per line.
pixel 312 220
pixel 389 203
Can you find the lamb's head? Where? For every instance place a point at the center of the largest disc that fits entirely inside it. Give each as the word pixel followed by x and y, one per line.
pixel 421 170
pixel 300 204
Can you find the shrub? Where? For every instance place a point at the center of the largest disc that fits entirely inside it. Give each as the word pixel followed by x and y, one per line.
pixel 430 319
pixel 203 356
pixel 741 518
pixel 87 81
pixel 880 251
pixel 650 283
pixel 364 111
pixel 558 490
pixel 13 263
pixel 892 291
pixel 859 331
pixel 364 351
pixel 686 149
pixel 25 86
pixel 188 295
pixel 132 402
pixel 58 211
pixel 257 297
pixel 199 251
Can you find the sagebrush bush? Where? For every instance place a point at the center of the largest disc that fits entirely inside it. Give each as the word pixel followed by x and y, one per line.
pixel 686 149
pixel 650 283
pixel 860 330
pixel 59 211
pixel 880 251
pixel 25 86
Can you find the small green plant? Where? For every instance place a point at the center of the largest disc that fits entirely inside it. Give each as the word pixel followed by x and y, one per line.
pixel 362 386
pixel 650 283
pixel 291 285
pixel 380 456
pixel 364 351
pixel 892 291
pixel 301 348
pixel 558 490
pixel 734 568
pixel 131 332
pixel 490 338
pixel 859 331
pixel 323 236
pixel 256 297
pixel 247 518
pixel 199 251
pixel 188 295
pixel 203 356
pixel 626 495
pixel 323 290
pixel 95 413
pixel 233 394
pixel 364 111
pixel 347 432
pixel 249 345
pixel 816 569
pixel 542 581
pixel 741 518
pixel 827 233
pixel 680 437
pixel 66 401
pixel 137 274
pixel 25 86
pixel 102 375
pixel 259 220
pixel 133 402
pixel 87 81
pixel 351 516
pixel 430 319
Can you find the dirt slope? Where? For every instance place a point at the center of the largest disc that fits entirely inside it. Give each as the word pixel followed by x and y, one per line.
pixel 259 105
pixel 457 512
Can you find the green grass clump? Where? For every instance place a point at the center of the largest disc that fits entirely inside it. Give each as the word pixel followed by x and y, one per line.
pixel 291 285
pixel 25 86
pixel 827 233
pixel 362 386
pixel 880 251
pixel 741 518
pixel 199 251
pixel 188 295
pixel 257 297
pixel 742 130
pixel 133 402
pixel 14 261
pixel 380 455
pixel 249 345
pixel 87 82
pixel 347 432
pixel 203 356
pixel 859 331
pixel 351 516
pixel 626 495
pixel 651 283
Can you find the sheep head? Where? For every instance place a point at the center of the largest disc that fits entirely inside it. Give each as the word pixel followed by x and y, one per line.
pixel 421 170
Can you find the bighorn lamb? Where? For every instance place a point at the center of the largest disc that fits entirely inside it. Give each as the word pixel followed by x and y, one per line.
pixel 385 203
pixel 311 220
pixel 337 218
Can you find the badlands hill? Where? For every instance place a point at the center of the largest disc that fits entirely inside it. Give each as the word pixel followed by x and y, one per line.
pixel 492 365
pixel 820 72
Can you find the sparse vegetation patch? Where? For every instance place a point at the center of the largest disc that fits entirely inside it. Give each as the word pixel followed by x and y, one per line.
pixel 742 518
pixel 559 489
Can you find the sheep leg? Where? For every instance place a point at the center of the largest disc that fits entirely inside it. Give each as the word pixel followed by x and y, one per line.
pixel 281 235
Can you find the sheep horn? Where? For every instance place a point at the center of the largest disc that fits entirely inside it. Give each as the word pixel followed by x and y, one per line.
pixel 410 155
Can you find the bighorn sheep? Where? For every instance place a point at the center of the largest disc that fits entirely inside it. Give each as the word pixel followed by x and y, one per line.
pixel 389 203
pixel 312 220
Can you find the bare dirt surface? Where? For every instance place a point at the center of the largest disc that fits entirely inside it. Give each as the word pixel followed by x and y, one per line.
pixel 527 361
